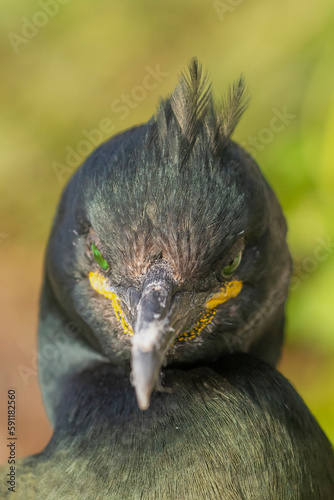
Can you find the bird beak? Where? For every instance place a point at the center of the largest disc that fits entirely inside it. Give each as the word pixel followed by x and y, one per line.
pixel 152 337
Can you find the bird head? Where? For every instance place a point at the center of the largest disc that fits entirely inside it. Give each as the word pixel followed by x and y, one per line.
pixel 168 239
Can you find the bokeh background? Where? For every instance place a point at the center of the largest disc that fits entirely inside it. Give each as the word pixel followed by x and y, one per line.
pixel 72 74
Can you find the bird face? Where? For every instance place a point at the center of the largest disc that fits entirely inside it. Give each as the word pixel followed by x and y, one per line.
pixel 161 311
pixel 168 239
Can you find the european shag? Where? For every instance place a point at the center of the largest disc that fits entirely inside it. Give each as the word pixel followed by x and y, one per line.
pixel 168 250
pixel 168 247
pixel 235 430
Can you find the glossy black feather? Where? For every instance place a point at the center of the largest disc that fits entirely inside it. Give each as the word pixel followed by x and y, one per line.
pixel 235 430
pixel 179 192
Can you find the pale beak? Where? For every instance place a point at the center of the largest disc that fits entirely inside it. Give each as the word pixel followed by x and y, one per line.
pixel 152 337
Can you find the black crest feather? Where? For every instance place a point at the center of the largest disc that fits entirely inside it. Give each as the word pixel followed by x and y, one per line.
pixel 190 112
pixel 232 108
pixel 189 103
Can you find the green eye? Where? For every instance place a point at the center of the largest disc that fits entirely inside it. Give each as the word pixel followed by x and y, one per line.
pixel 228 270
pixel 99 259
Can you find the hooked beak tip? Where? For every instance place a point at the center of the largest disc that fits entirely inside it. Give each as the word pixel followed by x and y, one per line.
pixel 143 399
pixel 145 373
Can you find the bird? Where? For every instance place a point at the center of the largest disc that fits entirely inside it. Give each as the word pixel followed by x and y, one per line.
pixel 235 429
pixel 162 319
pixel 168 247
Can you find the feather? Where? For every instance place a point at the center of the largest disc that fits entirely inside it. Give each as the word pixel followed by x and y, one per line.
pixel 233 106
pixel 189 102
pixel 190 115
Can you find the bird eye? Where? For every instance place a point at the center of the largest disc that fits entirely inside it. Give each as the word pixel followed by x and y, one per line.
pixel 99 259
pixel 228 270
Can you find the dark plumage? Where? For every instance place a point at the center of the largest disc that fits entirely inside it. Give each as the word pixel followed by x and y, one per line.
pixel 169 205
pixel 169 248
pixel 235 430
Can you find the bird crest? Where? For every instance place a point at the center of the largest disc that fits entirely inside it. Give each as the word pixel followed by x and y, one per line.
pixel 190 113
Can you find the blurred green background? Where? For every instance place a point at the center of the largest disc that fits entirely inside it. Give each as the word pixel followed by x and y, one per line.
pixel 68 67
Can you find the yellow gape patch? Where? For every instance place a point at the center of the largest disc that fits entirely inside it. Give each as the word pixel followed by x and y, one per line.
pixel 100 285
pixel 230 290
